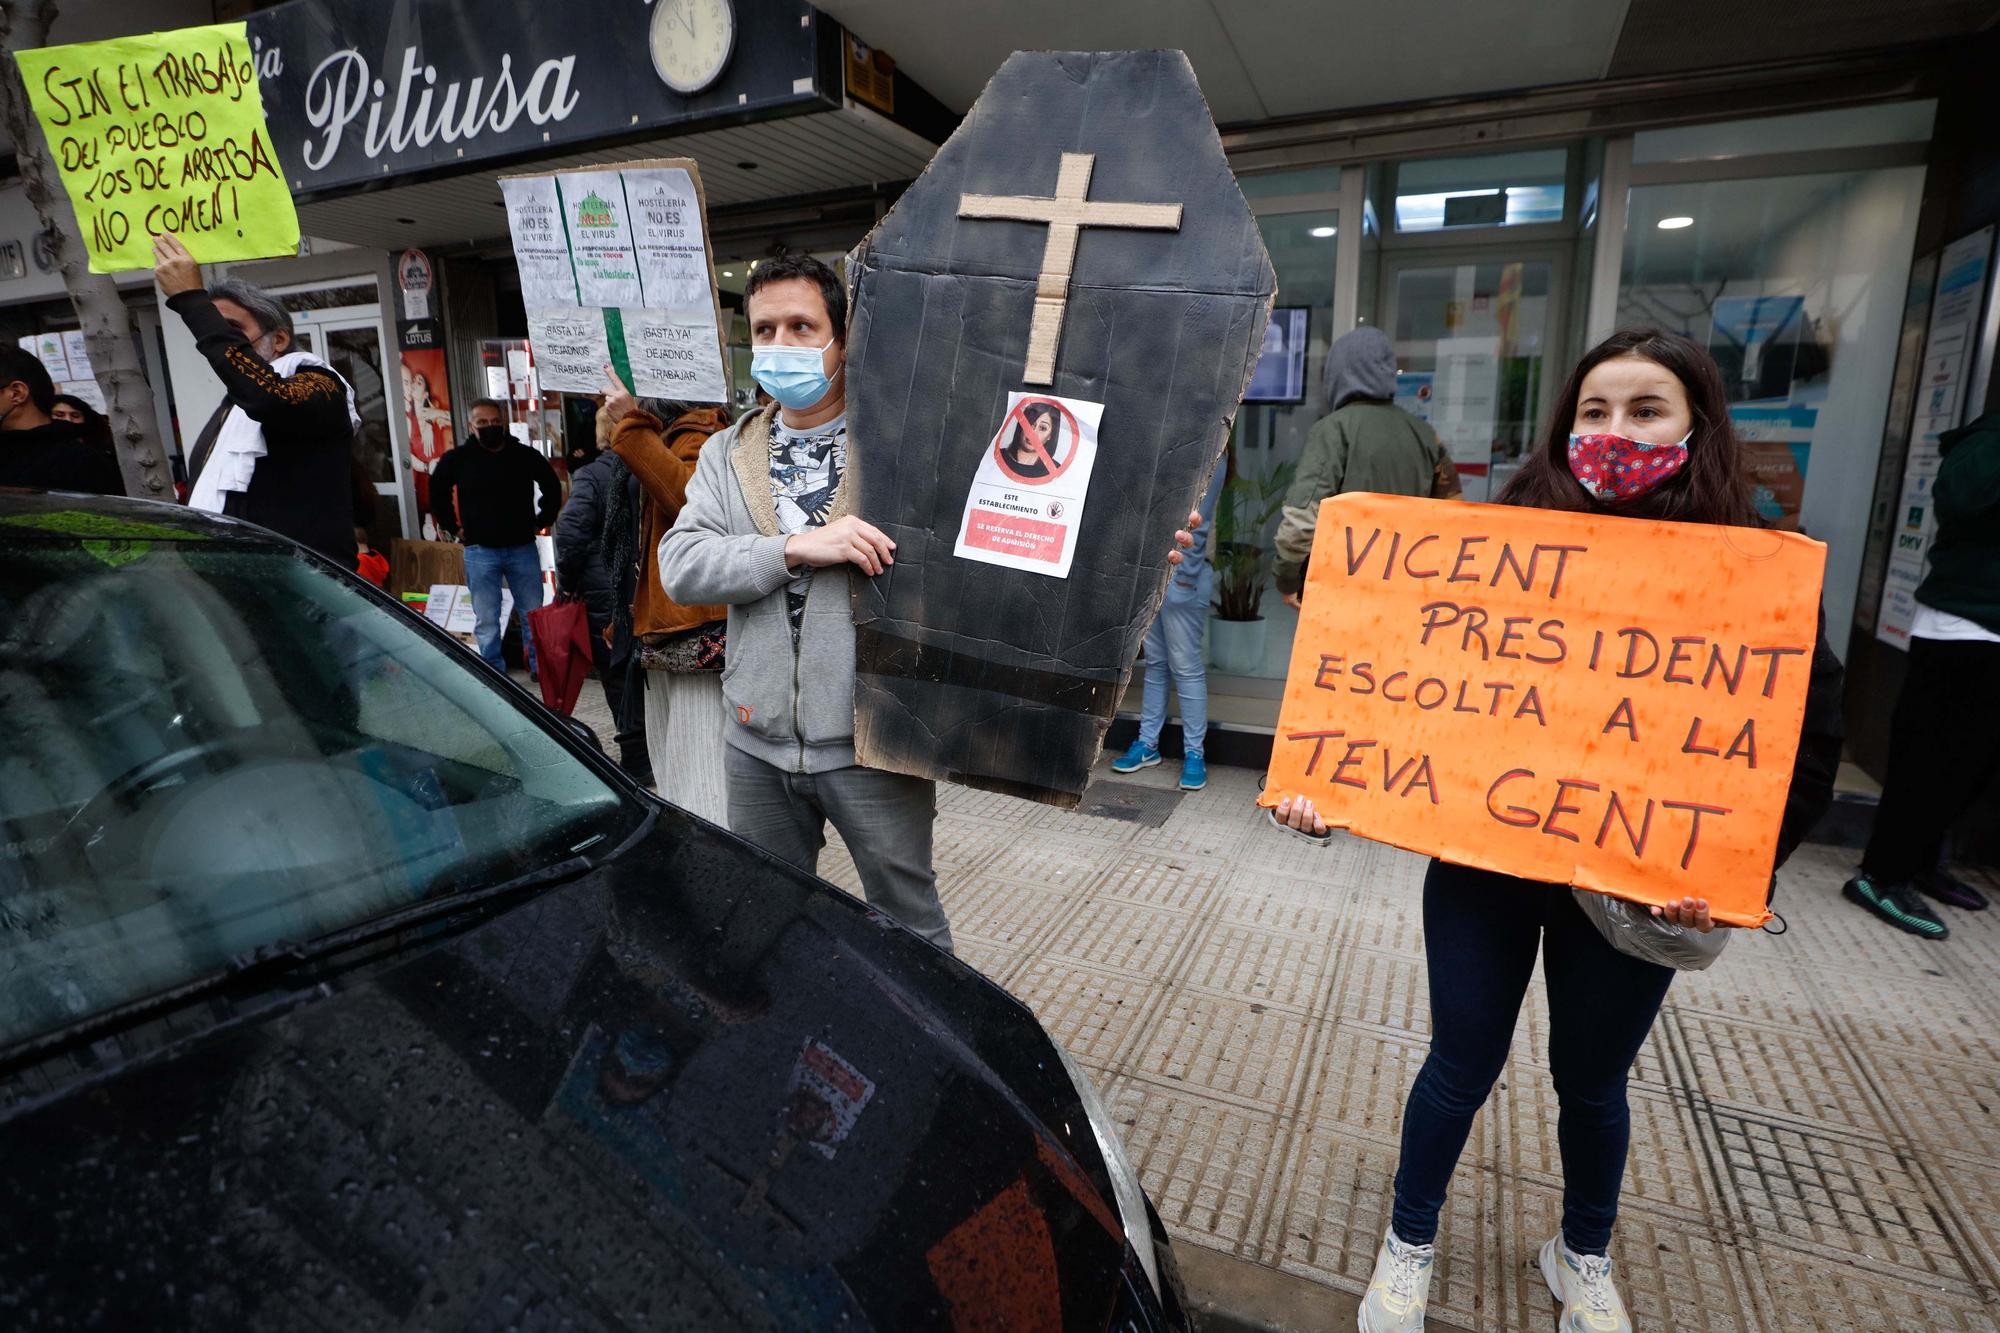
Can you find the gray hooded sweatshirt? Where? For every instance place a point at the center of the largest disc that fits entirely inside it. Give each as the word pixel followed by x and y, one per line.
pixel 1364 443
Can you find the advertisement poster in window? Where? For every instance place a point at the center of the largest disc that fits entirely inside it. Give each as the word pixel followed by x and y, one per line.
pixel 426 410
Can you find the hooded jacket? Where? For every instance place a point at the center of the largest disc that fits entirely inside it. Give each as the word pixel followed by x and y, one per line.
pixel 1364 443
pixel 1964 578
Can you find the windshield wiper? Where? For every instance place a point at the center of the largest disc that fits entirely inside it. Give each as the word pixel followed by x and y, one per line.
pixel 283 956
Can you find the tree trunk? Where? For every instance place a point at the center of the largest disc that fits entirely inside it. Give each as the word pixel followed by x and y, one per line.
pixel 107 326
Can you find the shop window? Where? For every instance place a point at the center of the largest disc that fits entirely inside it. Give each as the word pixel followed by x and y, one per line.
pixel 1494 190
pixel 1795 285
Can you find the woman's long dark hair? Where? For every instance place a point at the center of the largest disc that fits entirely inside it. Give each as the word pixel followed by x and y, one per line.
pixel 1032 410
pixel 1714 487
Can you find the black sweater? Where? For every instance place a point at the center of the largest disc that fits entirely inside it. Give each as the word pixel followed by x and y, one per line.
pixel 489 494
pixel 56 457
pixel 303 486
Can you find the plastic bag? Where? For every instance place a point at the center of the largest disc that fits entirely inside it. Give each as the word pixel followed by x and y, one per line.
pixel 1632 929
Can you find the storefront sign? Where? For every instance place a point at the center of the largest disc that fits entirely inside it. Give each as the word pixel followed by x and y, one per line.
pixel 615 270
pixel 413 276
pixel 1940 405
pixel 360 90
pixel 1575 698
pixel 163 133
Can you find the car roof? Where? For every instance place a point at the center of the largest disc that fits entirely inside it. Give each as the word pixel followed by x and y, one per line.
pixel 99 516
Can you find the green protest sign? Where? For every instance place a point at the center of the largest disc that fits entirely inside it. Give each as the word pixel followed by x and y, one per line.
pixel 163 133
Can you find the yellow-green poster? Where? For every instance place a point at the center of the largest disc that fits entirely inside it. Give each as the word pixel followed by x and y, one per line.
pixel 163 133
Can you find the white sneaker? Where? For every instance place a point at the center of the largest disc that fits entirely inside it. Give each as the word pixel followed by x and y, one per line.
pixel 1399 1289
pixel 1582 1284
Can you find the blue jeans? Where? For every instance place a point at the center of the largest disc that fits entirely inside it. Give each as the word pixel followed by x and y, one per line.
pixel 1173 649
pixel 485 567
pixel 1481 933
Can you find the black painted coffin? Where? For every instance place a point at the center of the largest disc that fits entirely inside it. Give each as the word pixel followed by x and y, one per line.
pixel 998 677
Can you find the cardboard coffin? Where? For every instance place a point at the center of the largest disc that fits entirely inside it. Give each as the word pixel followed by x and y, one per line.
pixel 1079 238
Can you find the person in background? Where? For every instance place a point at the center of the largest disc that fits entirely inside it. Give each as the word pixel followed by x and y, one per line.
pixel 678 647
pixel 1638 396
pixel 790 728
pixel 279 448
pixel 36 449
pixel 597 550
pixel 1173 659
pixel 370 563
pixel 484 493
pixel 91 423
pixel 1364 443
pixel 1944 740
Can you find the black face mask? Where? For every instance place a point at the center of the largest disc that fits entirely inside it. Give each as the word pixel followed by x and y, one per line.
pixel 491 437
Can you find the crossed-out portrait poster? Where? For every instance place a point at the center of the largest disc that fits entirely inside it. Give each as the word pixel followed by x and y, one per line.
pixel 1027 496
pixel 615 271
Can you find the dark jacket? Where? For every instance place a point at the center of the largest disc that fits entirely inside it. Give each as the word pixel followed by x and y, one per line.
pixel 1822 730
pixel 1964 578
pixel 57 457
pixel 1364 443
pixel 583 547
pixel 303 486
pixel 490 495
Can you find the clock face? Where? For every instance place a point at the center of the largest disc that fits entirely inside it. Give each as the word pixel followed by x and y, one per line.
pixel 691 41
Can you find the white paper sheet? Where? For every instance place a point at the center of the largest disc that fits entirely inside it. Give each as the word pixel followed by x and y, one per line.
pixel 600 239
pixel 541 243
pixel 570 350
pixel 1025 505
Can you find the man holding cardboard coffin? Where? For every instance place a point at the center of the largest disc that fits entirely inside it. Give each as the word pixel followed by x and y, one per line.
pixel 767 530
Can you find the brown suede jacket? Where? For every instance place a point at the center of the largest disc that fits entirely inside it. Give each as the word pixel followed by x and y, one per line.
pixel 662 457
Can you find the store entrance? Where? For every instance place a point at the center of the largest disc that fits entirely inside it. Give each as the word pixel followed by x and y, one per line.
pixel 1478 332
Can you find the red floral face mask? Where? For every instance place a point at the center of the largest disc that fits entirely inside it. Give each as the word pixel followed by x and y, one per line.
pixel 1612 467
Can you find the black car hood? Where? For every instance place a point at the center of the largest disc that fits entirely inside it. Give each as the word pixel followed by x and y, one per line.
pixel 693 1088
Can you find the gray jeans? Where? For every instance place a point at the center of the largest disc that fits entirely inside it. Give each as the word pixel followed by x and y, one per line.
pixel 884 818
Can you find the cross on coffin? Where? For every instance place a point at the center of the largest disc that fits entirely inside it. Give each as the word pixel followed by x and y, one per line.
pixel 1070 210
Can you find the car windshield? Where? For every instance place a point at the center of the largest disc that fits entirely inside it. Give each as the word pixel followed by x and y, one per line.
pixel 216 745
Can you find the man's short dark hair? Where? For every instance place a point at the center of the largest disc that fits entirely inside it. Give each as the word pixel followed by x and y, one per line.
pixel 18 363
pixel 493 403
pixel 786 267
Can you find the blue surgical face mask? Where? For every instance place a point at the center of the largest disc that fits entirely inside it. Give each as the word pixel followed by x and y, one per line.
pixel 795 376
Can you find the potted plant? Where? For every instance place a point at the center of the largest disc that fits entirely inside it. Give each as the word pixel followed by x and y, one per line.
pixel 1242 564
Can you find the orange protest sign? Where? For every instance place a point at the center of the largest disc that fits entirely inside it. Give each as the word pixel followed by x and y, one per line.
pixel 1604 702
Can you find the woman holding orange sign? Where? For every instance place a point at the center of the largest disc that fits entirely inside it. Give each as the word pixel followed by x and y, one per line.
pixel 1641 430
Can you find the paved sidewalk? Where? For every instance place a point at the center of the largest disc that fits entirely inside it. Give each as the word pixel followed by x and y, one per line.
pixel 1813 1119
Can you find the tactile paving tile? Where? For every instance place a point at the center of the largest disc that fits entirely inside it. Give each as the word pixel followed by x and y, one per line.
pixel 1259 965
pixel 1009 915
pixel 992 960
pixel 1971 1203
pixel 1928 1014
pixel 1094 1014
pixel 1315 913
pixel 1781 1071
pixel 1144 941
pixel 1198 827
pixel 960 845
pixel 1363 1082
pixel 1338 1199
pixel 995 807
pixel 1673 1275
pixel 1803 1292
pixel 1209 1167
pixel 1933 1100
pixel 1385 990
pixel 1850 1200
pixel 1747 982
pixel 1050 860
pixel 1182 883
pixel 1231 1049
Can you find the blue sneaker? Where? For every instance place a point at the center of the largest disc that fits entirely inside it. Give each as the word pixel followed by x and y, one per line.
pixel 1194 771
pixel 1141 755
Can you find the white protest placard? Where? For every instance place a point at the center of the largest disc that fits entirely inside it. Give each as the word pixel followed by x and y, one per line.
pixel 570 348
pixel 1025 504
pixel 600 238
pixel 624 249
pixel 437 607
pixel 541 243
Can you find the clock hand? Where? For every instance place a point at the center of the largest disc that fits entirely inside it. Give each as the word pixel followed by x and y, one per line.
pixel 685 12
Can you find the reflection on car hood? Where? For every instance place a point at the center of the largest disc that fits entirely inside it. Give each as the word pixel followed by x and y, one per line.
pixel 692 1089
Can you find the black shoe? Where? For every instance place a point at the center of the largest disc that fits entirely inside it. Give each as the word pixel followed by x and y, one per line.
pixel 1952 890
pixel 1897 904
